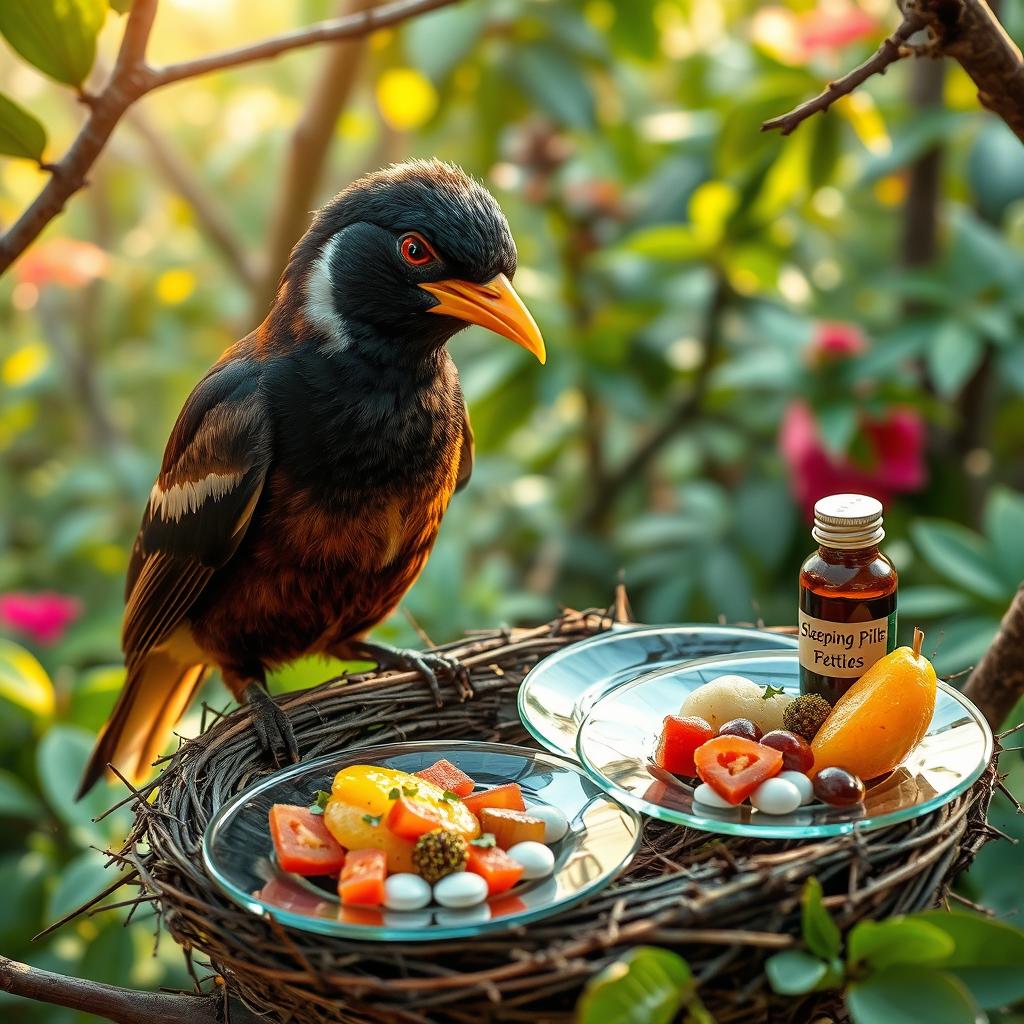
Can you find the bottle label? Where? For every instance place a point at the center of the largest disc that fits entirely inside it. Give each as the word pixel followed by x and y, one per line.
pixel 844 650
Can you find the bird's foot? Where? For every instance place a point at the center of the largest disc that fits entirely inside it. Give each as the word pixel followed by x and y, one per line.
pixel 432 665
pixel 271 724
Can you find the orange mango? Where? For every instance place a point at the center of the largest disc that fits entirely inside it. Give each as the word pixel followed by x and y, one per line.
pixel 882 717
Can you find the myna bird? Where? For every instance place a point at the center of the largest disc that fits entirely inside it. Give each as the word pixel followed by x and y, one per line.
pixel 305 479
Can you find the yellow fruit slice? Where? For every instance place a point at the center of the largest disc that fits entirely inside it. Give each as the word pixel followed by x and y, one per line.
pixel 882 717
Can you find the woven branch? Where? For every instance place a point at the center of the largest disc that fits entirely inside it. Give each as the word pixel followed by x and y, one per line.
pixel 724 904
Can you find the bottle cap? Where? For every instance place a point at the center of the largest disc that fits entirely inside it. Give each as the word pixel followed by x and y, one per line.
pixel 848 521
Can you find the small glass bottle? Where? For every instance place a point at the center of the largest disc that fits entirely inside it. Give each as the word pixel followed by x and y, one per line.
pixel 847 596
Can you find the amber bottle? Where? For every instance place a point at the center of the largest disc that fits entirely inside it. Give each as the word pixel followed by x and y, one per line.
pixel 847 615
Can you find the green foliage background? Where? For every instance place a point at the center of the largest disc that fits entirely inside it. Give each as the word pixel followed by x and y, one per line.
pixel 623 142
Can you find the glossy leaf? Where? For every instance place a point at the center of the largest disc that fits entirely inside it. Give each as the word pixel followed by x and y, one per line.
pixel 557 84
pixel 819 930
pixel 21 135
pixel 80 879
pixel 961 556
pixel 910 995
pixel 56 36
pixel 794 973
pixel 929 602
pixel 954 355
pixel 876 945
pixel 1004 526
pixel 17 800
pixel 24 682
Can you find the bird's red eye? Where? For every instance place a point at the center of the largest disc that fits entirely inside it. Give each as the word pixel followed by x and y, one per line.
pixel 416 251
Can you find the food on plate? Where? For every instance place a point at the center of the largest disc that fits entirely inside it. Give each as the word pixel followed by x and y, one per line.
pixel 496 867
pixel 508 795
pixel 361 883
pixel 405 842
pixel 796 753
pixel 734 767
pixel 802 783
pixel 775 796
pixel 302 843
pixel 439 853
pixel 536 859
pixel 741 727
pixel 706 795
pixel 806 715
pixel 839 787
pixel 511 827
pixel 680 738
pixel 728 697
pixel 882 717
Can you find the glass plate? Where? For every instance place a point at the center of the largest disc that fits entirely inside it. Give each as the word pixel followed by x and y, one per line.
pixel 558 692
pixel 617 739
pixel 601 841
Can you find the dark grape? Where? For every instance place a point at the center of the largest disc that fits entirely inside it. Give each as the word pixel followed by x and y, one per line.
pixel 839 787
pixel 796 754
pixel 741 727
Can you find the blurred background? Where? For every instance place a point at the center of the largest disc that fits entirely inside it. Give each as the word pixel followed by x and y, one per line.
pixel 737 323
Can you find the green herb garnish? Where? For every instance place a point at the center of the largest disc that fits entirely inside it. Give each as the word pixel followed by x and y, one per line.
pixel 394 794
pixel 319 804
pixel 450 796
pixel 486 840
pixel 373 819
pixel 410 789
pixel 772 691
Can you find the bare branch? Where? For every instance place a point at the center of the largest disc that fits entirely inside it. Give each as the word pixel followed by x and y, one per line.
pixel 132 78
pixel 888 53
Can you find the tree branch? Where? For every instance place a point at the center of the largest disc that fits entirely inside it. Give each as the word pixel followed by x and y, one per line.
pixel 997 683
pixel 132 78
pixel 889 52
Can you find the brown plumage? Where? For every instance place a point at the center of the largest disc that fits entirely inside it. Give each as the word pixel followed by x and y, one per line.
pixel 305 480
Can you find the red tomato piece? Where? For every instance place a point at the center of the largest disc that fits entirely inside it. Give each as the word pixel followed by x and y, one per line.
pixel 445 775
pixel 509 796
pixel 411 819
pixel 362 878
pixel 302 842
pixel 734 766
pixel 680 738
pixel 496 867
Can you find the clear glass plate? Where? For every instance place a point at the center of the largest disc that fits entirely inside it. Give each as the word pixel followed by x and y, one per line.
pixel 558 693
pixel 619 736
pixel 601 841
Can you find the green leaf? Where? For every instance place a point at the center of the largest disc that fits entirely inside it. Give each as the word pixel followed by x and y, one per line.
pixel 56 36
pixel 21 135
pixel 16 799
pixel 953 356
pixel 23 882
pixel 24 682
pixel 837 423
pixel 911 996
pixel 931 602
pixel 987 956
pixel 794 973
pixel 960 555
pixel 672 242
pixel 883 944
pixel 647 985
pixel 960 642
pixel 1004 526
pixel 77 882
pixel 819 930
pixel 437 42
pixel 556 84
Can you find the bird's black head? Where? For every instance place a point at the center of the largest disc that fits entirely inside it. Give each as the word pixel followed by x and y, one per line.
pixel 404 258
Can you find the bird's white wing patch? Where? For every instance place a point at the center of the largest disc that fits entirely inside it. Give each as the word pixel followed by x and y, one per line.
pixel 189 495
pixel 320 309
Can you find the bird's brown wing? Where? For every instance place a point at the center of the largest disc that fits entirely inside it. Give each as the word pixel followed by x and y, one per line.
pixel 466 453
pixel 211 478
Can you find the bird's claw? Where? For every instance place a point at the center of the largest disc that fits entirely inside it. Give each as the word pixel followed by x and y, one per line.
pixel 429 664
pixel 273 729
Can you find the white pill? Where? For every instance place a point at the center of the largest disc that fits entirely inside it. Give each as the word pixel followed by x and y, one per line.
pixel 537 860
pixel 406 891
pixel 776 796
pixel 556 824
pixel 705 795
pixel 802 783
pixel 460 889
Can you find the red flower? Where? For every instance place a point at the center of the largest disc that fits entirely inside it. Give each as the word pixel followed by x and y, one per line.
pixel 834 340
pixel 896 457
pixel 43 617
pixel 62 261
pixel 831 30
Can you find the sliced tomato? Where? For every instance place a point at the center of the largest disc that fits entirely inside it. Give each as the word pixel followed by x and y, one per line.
pixel 302 842
pixel 509 796
pixel 410 819
pixel 495 867
pixel 445 775
pixel 680 738
pixel 362 878
pixel 734 767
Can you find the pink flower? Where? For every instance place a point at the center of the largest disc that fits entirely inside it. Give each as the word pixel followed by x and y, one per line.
pixel 62 261
pixel 895 463
pixel 833 340
pixel 833 29
pixel 42 617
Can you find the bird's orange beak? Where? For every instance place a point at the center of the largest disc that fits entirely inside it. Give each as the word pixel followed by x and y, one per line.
pixel 494 305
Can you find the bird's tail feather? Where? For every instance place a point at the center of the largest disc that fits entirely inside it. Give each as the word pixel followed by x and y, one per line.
pixel 155 695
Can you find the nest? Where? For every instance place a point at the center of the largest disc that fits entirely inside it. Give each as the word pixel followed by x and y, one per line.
pixel 724 904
